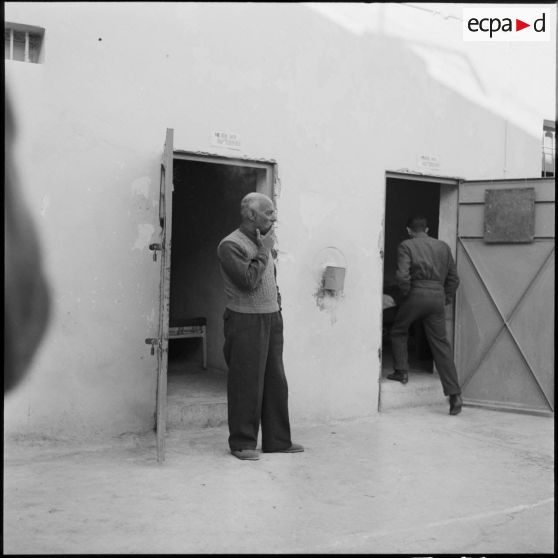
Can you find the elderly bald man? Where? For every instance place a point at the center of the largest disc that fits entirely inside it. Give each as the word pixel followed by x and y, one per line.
pixel 256 387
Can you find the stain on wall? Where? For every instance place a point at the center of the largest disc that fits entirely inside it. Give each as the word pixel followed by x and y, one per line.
pixel 145 233
pixel 141 186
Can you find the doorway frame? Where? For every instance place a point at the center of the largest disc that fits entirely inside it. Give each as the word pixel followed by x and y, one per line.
pixel 451 201
pixel 267 181
pixel 269 165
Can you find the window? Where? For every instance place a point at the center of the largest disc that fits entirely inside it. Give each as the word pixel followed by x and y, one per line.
pixel 23 42
pixel 549 149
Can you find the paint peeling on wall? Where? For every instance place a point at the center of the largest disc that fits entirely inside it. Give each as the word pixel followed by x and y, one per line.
pixel 141 186
pixel 145 232
pixel 381 238
pixel 328 302
pixel 329 266
pixel 329 292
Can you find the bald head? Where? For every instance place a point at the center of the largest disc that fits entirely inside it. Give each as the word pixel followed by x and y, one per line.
pixel 252 201
pixel 257 212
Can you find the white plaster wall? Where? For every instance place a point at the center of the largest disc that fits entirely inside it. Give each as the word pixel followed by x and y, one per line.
pixel 333 108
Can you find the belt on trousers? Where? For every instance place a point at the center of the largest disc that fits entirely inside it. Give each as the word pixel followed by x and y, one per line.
pixel 428 284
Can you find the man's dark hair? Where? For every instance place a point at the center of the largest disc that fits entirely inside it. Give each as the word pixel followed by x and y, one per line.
pixel 417 223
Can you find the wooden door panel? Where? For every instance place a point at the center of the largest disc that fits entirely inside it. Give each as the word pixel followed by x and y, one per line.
pixel 474 191
pixel 471 220
pixel 165 219
pixel 533 326
pixel 503 379
pixel 504 341
pixel 478 320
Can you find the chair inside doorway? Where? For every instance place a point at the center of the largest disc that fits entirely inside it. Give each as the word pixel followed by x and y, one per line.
pixel 188 328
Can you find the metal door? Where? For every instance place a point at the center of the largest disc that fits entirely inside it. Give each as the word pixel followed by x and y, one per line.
pixel 161 342
pixel 504 334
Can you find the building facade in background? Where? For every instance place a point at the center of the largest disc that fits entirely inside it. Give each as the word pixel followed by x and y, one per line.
pixel 288 99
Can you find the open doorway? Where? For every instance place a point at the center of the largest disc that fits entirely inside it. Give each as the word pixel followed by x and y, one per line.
pixel 436 199
pixel 205 209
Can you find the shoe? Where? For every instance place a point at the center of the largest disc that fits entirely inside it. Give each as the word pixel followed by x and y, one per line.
pixel 455 404
pixel 293 448
pixel 399 376
pixel 246 454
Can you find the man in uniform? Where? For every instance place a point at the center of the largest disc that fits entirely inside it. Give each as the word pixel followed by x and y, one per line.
pixel 427 281
pixel 253 325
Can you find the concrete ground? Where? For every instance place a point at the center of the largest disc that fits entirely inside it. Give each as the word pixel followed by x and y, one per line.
pixel 412 480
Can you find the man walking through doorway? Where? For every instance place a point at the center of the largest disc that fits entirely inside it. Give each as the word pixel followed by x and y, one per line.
pixel 427 280
pixel 253 325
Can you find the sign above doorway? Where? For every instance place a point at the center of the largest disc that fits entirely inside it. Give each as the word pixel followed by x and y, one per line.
pixel 225 139
pixel 428 162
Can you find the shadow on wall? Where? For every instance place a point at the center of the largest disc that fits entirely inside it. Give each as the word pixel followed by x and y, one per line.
pixel 376 72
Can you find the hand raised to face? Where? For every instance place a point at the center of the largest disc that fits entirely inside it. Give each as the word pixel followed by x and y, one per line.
pixel 267 240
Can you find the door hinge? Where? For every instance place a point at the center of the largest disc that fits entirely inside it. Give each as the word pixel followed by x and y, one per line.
pixel 155 247
pixel 153 341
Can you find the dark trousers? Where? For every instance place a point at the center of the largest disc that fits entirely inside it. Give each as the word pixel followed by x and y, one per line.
pixel 256 385
pixel 428 305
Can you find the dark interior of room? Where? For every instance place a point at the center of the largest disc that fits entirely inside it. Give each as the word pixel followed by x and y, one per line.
pixel 405 198
pixel 205 209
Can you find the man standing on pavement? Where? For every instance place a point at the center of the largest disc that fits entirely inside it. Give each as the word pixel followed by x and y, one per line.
pixel 427 280
pixel 253 326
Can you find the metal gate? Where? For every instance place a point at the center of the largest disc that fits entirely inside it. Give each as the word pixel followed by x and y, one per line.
pixel 504 334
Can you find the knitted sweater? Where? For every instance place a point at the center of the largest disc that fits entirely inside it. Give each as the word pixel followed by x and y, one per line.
pixel 248 275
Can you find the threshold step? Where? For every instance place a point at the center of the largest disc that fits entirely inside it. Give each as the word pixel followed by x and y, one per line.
pixel 420 390
pixel 201 414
